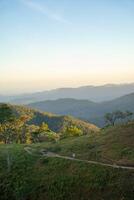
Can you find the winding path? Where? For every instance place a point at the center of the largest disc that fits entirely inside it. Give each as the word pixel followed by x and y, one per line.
pixel 51 154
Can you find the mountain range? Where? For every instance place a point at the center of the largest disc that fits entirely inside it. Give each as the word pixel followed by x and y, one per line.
pixel 84 109
pixel 94 93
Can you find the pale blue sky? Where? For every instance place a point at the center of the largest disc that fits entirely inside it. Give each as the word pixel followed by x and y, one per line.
pixel 47 44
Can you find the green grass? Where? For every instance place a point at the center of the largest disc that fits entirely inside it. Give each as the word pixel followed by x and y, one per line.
pixel 113 144
pixel 32 177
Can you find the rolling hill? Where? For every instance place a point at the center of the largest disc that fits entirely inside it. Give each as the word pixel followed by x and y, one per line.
pixel 55 122
pixel 85 109
pixel 94 93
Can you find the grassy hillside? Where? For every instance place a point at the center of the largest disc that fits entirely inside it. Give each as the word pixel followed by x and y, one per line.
pixel 26 176
pixel 110 145
pixel 31 176
pixel 55 122
pixel 85 109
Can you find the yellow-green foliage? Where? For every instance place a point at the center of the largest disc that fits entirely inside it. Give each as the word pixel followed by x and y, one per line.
pixel 19 124
pixel 56 123
pixel 72 131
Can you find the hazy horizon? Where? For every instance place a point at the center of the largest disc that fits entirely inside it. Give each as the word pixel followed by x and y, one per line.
pixel 66 87
pixel 56 44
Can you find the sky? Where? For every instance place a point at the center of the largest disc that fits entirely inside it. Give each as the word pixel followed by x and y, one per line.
pixel 46 44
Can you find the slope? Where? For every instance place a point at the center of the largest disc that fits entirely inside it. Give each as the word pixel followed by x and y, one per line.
pixel 37 177
pixel 111 145
pixel 85 109
pixel 55 122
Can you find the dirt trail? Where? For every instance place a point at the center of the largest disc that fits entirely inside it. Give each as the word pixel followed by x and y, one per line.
pixel 51 154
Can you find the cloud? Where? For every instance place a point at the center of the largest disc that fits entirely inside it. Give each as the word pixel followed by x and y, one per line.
pixel 45 11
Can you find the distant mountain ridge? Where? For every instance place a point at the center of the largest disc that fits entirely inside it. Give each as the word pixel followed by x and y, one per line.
pixel 84 109
pixel 94 93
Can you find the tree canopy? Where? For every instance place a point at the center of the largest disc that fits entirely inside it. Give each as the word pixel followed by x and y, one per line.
pixel 111 118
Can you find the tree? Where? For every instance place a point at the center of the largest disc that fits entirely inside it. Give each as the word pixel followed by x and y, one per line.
pixel 43 133
pixel 128 115
pixel 72 131
pixel 6 113
pixel 118 115
pixel 111 118
pixel 23 128
pixel 17 130
pixel 8 133
pixel 44 128
pixel 35 134
pixel 14 130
